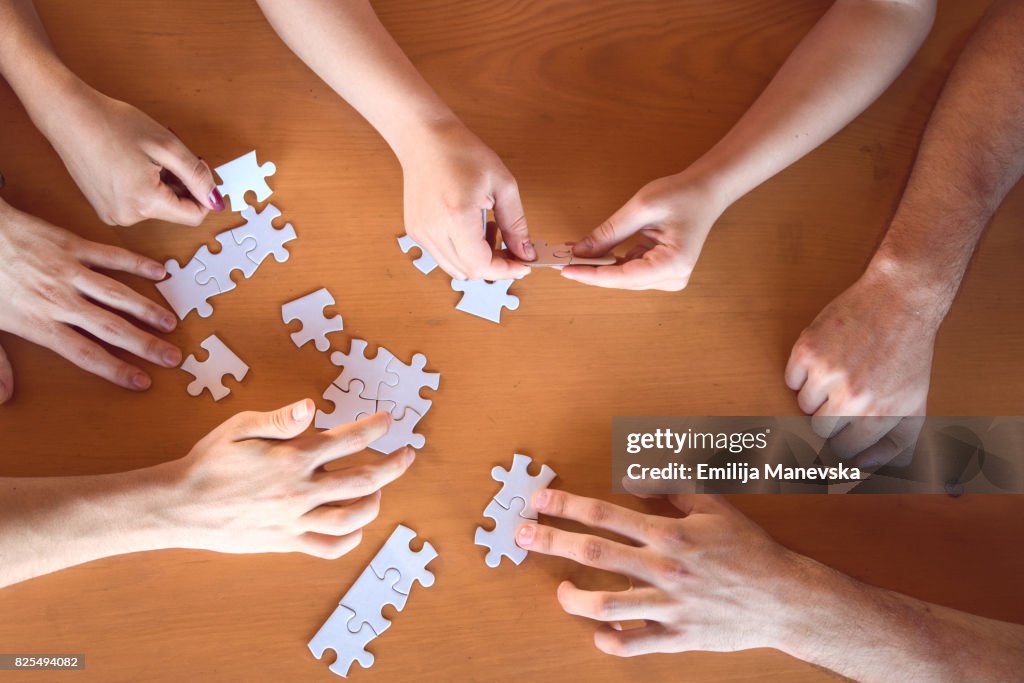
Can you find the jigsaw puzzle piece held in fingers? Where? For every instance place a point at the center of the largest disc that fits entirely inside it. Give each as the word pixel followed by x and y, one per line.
pixel 501 541
pixel 242 175
pixel 517 482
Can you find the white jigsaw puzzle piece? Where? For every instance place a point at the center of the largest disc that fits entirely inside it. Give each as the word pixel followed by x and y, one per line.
pixel 209 374
pixel 372 372
pixel 349 406
pixel 517 482
pixel 485 299
pixel 368 596
pixel 259 238
pixel 348 646
pixel 411 564
pixel 400 433
pixel 316 326
pixel 501 541
pixel 425 263
pixel 242 175
pixel 183 292
pixel 406 394
pixel 218 267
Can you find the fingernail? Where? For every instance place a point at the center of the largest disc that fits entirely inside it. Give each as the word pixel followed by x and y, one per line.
pixel 524 536
pixel 540 499
pixel 216 200
pixel 156 272
pixel 172 357
pixel 168 323
pixel 141 381
pixel 300 411
pixel 531 253
pixel 584 246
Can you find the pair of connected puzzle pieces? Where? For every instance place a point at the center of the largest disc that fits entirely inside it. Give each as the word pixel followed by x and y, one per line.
pixel 309 310
pixel 209 374
pixel 190 287
pixel 358 619
pixel 367 385
pixel 511 507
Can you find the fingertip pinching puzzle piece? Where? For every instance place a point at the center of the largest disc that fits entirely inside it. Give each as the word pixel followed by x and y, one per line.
pixel 209 374
pixel 517 482
pixel 425 263
pixel 183 292
pixel 348 646
pixel 309 310
pixel 242 175
pixel 501 541
pixel 259 238
pixel 485 299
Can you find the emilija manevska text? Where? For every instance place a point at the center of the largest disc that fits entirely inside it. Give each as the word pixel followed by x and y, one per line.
pixel 742 472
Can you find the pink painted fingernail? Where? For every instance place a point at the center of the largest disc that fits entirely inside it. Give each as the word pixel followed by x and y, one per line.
pixel 216 200
pixel 525 534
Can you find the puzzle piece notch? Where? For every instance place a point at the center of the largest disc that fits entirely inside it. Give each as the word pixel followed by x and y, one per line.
pixel 309 310
pixel 372 372
pixel 349 405
pixel 242 175
pixel 259 238
pixel 400 433
pixel 368 596
pixel 209 374
pixel 183 292
pixel 406 393
pixel 501 541
pixel 425 263
pixel 517 482
pixel 348 646
pixel 485 299
pixel 397 554
pixel 218 267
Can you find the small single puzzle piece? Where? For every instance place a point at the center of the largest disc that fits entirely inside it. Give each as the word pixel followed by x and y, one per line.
pixel 411 379
pixel 349 406
pixel 517 482
pixel 411 564
pixel 348 646
pixel 372 372
pixel 209 374
pixel 425 263
pixel 368 596
pixel 316 326
pixel 400 433
pixel 242 175
pixel 259 238
pixel 501 541
pixel 183 292
pixel 485 299
pixel 218 267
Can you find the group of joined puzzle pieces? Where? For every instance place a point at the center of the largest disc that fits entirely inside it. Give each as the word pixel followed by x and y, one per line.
pixel 190 287
pixel 486 299
pixel 511 507
pixel 387 580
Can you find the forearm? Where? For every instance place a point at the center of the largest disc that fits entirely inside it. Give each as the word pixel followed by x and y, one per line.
pixel 346 45
pixel 843 65
pixel 47 524
pixel 971 156
pixel 870 634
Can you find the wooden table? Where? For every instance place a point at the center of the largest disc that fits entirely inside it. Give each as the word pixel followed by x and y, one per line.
pixel 585 100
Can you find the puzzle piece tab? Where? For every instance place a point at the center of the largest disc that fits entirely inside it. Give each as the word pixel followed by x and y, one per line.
pixel 316 326
pixel 348 646
pixel 485 299
pixel 259 238
pixel 183 292
pixel 425 263
pixel 411 564
pixel 517 482
pixel 209 374
pixel 501 541
pixel 242 175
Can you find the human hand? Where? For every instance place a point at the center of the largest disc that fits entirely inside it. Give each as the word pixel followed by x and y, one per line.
pixel 711 580
pixel 862 368
pixel 257 484
pixel 51 292
pixel 672 216
pixel 450 178
pixel 129 167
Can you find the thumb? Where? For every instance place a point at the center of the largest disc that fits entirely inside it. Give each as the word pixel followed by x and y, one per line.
pixel 192 171
pixel 511 220
pixel 283 423
pixel 622 225
pixel 6 377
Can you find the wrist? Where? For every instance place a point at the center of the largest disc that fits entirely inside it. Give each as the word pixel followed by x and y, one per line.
pixel 48 92
pixel 911 286
pixel 411 139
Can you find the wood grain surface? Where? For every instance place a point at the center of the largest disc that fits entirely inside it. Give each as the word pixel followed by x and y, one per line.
pixel 585 100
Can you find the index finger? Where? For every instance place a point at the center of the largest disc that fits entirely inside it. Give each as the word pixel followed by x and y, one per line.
pixel 477 259
pixel 345 439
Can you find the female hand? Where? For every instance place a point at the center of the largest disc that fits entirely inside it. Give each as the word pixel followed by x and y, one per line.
pixel 672 216
pixel 129 167
pixel 51 292
pixel 257 484
pixel 450 178
pixel 711 580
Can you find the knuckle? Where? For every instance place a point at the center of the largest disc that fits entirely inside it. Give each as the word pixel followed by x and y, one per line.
pixel 670 571
pixel 592 550
pixel 597 513
pixel 671 536
pixel 606 607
